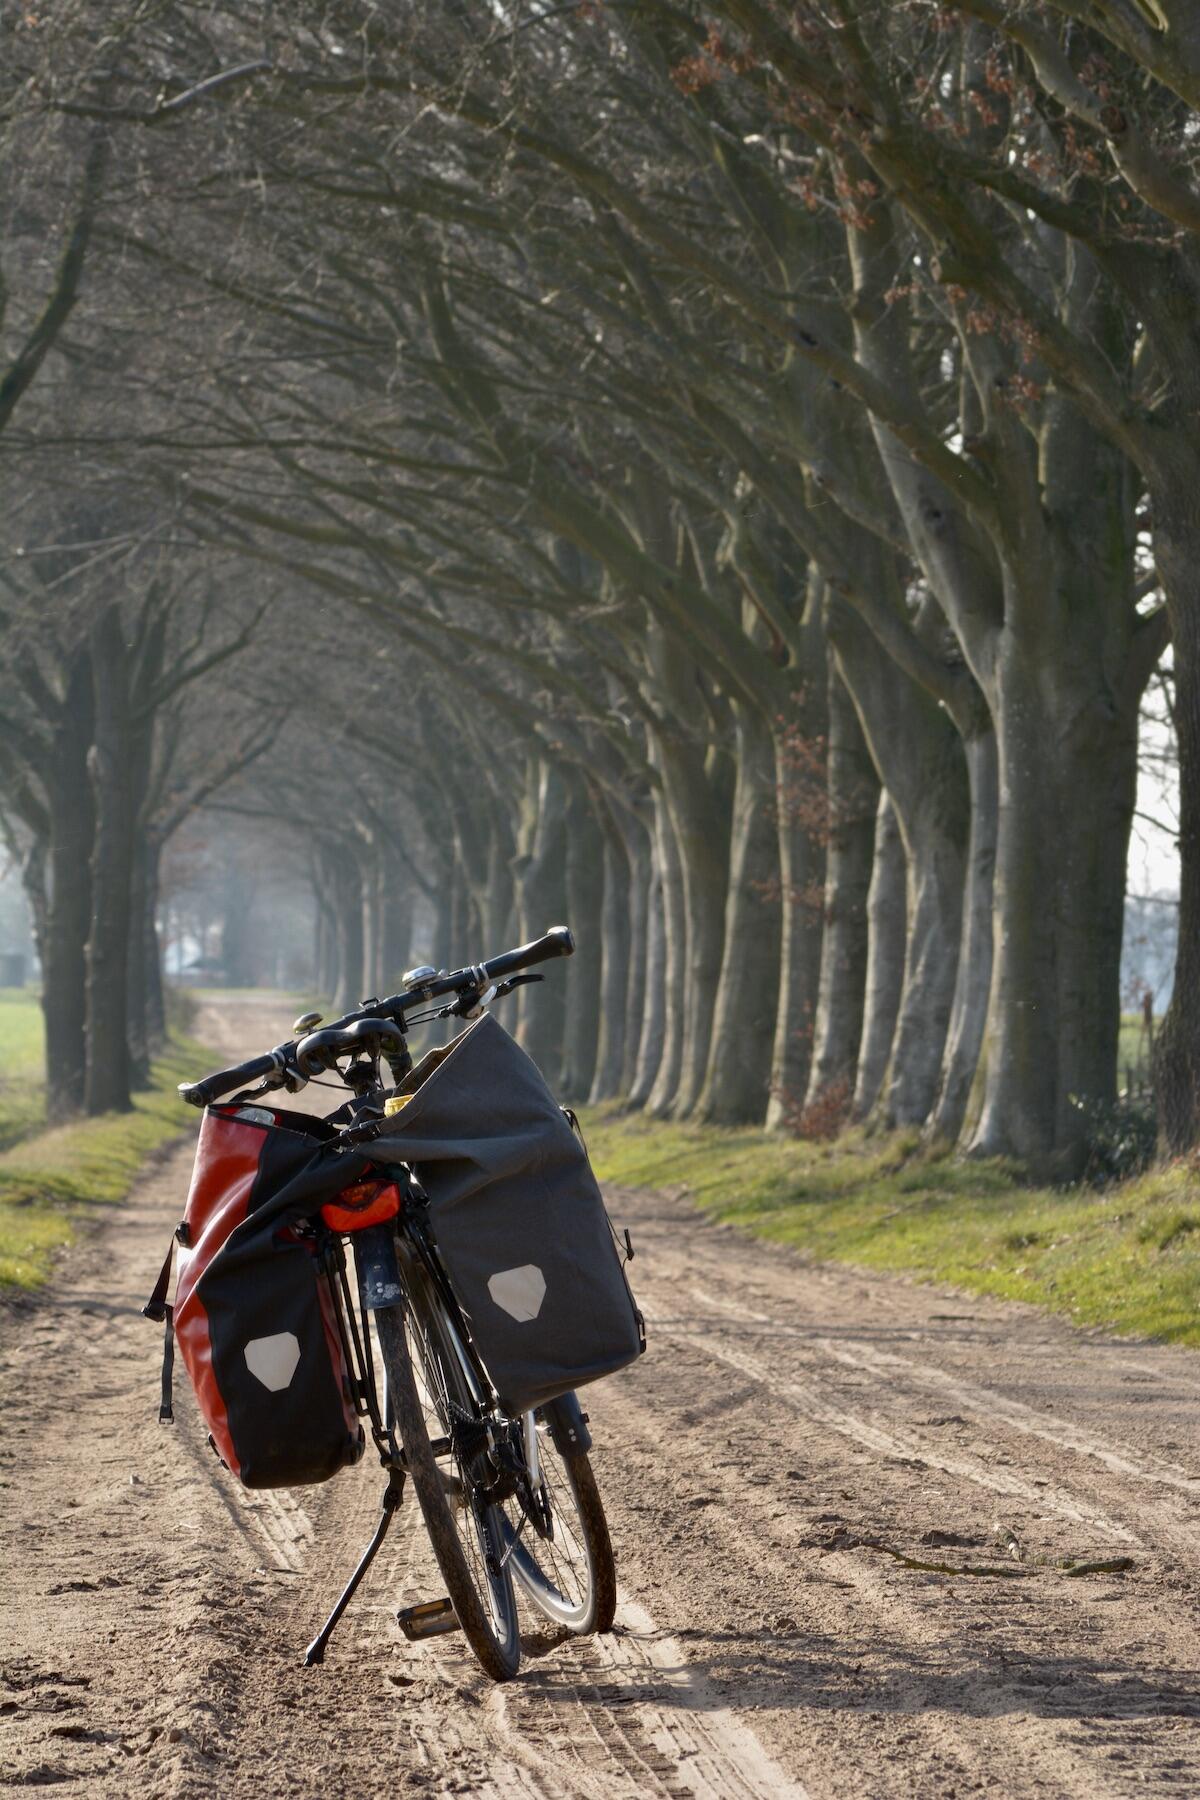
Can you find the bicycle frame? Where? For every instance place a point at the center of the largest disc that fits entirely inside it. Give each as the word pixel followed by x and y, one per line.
pixel 379 1251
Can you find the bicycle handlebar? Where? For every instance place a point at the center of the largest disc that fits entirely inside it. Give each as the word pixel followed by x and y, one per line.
pixel 558 941
pixel 203 1093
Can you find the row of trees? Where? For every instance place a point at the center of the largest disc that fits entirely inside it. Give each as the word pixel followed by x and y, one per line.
pixel 103 755
pixel 736 471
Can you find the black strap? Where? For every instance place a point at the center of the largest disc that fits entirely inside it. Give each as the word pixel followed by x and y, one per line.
pixel 166 1412
pixel 156 1308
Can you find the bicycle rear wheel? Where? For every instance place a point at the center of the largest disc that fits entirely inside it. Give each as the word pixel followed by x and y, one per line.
pixel 567 1569
pixel 433 1409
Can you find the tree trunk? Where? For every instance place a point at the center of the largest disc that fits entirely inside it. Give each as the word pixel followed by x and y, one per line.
pixel 652 1027
pixel 110 764
pixel 615 942
pixel 639 863
pixel 325 949
pixel 397 929
pixel 348 888
pixel 934 915
pixel 664 1074
pixel 918 755
pixel 142 944
pixel 1177 1047
pixel 374 890
pixel 68 904
pixel 441 940
pixel 152 949
pixel 887 924
pixel 542 901
pixel 500 922
pixel 801 805
pixel 460 937
pixel 1067 773
pixel 137 1005
pixel 241 943
pixel 853 798
pixel 738 1076
pixel 968 1016
pixel 586 893
pixel 700 819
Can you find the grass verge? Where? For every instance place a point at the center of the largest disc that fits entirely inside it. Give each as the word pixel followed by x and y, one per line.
pixel 1125 1257
pixel 22 1089
pixel 51 1182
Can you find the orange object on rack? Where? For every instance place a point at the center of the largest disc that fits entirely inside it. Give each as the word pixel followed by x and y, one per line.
pixel 365 1203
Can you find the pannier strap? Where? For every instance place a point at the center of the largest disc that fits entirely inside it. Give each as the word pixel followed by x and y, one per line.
pixel 166 1411
pixel 156 1308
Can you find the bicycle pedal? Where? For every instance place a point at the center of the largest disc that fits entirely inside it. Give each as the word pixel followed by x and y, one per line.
pixel 430 1619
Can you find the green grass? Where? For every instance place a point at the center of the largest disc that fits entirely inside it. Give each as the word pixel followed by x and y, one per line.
pixel 1124 1257
pixel 22 1092
pixel 1133 1051
pixel 51 1182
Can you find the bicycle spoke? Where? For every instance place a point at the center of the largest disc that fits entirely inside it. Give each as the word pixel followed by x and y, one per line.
pixel 433 1407
pixel 568 1575
pixel 442 1413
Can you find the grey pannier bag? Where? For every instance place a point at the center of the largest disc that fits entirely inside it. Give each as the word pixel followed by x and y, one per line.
pixel 517 1216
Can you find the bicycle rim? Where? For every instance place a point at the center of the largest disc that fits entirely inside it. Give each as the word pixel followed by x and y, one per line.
pixel 430 1399
pixel 569 1576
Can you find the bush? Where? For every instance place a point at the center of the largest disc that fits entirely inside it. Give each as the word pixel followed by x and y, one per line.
pixel 1120 1136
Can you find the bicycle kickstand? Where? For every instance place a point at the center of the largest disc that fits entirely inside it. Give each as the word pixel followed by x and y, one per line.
pixel 393 1493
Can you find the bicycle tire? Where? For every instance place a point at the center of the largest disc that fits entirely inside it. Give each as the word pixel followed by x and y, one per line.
pixel 581 1599
pixel 489 1617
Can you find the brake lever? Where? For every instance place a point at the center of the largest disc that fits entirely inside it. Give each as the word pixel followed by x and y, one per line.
pixel 514 981
pixel 270 1084
pixel 469 1006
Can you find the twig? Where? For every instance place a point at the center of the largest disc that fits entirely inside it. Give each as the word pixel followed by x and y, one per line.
pixel 942 1568
pixel 1115 1565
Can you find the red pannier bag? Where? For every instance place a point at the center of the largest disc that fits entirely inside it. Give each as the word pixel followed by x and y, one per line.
pixel 256 1311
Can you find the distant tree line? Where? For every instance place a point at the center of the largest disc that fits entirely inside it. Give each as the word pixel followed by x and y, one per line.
pixel 736 468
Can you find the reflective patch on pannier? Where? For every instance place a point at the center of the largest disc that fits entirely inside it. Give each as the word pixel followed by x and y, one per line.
pixel 273 1360
pixel 519 1291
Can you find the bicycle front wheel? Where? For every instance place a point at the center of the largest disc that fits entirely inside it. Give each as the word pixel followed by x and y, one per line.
pixel 433 1409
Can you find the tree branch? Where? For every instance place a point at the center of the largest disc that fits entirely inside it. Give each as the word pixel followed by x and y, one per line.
pixel 65 292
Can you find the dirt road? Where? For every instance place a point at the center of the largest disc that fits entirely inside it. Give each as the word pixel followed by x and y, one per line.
pixel 785 1419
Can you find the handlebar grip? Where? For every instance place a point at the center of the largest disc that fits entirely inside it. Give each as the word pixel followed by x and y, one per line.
pixel 204 1093
pixel 558 941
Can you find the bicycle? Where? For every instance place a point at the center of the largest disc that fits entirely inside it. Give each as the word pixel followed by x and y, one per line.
pixel 501 1496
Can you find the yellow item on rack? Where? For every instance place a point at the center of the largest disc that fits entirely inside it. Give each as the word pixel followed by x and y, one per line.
pixel 394 1104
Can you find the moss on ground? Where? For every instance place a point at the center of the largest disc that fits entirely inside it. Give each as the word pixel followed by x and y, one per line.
pixel 51 1182
pixel 1125 1257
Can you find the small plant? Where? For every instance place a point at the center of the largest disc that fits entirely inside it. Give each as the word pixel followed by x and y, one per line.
pixel 824 1116
pixel 1120 1136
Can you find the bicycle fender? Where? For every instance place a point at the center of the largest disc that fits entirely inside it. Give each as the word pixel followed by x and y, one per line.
pixel 568 1427
pixel 378 1271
